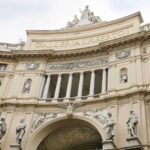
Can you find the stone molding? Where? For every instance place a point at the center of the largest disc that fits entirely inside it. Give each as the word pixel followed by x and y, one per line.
pixel 101 48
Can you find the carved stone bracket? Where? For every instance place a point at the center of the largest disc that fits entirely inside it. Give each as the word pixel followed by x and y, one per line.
pixel 77 65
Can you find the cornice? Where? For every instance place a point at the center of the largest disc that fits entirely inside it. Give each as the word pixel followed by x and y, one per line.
pixel 102 48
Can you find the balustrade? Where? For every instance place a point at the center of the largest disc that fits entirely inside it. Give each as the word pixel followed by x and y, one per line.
pixel 79 95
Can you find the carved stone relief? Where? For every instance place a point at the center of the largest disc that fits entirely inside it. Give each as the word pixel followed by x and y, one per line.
pixel 40 118
pixel 123 54
pixel 77 65
pixel 32 66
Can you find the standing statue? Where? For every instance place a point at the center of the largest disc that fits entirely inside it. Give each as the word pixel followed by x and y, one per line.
pixel 85 14
pixel 20 131
pixel 109 127
pixel 132 124
pixel 3 127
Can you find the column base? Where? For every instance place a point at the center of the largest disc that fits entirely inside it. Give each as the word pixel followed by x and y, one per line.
pixel 54 101
pixel 15 147
pixel 109 145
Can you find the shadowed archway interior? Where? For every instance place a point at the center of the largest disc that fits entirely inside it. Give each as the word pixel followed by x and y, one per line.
pixel 72 137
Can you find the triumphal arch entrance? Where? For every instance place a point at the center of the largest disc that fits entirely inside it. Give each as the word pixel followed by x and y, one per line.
pixel 75 133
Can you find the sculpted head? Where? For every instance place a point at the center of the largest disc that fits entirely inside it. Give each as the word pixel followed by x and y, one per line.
pixel 22 120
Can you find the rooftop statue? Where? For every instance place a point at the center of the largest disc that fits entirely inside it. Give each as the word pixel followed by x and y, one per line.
pixel 87 17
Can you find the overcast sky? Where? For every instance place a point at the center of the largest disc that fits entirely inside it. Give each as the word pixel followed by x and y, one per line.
pixel 17 16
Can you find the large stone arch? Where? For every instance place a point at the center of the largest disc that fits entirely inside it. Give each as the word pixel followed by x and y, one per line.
pixel 49 127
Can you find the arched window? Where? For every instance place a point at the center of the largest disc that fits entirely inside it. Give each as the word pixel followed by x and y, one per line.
pixel 123 75
pixel 27 86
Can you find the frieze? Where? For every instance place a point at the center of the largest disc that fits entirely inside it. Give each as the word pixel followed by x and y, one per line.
pixel 32 66
pixel 123 54
pixel 77 65
pixel 80 42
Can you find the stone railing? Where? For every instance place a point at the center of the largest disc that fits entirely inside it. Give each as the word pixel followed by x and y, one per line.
pixel 72 99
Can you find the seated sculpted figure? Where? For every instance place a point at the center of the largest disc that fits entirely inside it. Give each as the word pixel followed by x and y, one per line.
pixel 132 124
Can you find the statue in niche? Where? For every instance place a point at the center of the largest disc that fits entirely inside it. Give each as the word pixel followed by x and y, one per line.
pixel 3 127
pixel 132 124
pixel 41 119
pixel 124 78
pixel 27 86
pixel 109 127
pixel 20 131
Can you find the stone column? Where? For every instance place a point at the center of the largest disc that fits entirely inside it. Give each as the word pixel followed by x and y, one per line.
pixel 57 87
pixel 45 93
pixel 69 86
pixel 104 81
pixel 92 82
pixel 80 87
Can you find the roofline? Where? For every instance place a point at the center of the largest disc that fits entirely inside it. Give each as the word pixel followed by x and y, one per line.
pixel 86 27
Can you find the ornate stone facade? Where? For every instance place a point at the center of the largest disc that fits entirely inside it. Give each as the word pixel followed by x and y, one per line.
pixel 74 88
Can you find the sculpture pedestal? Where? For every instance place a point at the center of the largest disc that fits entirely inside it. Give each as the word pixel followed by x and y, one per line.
pixel 109 145
pixel 15 147
pixel 134 143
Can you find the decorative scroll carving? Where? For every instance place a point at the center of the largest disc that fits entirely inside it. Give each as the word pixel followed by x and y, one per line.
pixel 32 66
pixel 77 65
pixel 40 118
pixel 123 54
